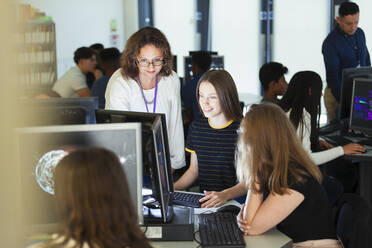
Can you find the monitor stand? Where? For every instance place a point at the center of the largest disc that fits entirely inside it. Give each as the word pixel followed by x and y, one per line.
pixel 180 228
pixel 152 214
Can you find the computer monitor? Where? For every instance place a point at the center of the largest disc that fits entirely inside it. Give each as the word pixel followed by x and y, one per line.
pixel 348 76
pixel 174 63
pixel 164 196
pixel 156 158
pixel 40 148
pixel 147 119
pixel 217 63
pixel 59 111
pixel 361 106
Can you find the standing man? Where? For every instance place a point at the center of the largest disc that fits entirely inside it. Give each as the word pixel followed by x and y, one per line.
pixel 344 47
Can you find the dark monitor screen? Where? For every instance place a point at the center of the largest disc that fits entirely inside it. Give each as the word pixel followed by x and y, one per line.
pixel 40 148
pixel 217 63
pixel 174 63
pixel 115 116
pixel 361 106
pixel 161 164
pixel 156 158
pixel 348 76
pixel 59 111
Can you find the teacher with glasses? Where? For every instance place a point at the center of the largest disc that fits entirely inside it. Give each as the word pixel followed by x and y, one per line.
pixel 146 83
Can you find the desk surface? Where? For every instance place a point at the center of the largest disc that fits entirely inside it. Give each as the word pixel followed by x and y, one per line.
pixel 271 239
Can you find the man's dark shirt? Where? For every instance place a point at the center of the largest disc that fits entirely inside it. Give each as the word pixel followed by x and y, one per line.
pixel 188 95
pixel 341 51
pixel 99 88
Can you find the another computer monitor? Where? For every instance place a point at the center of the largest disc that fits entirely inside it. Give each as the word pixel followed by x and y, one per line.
pixel 348 76
pixel 361 106
pixel 156 158
pixel 174 68
pixel 40 148
pixel 162 172
pixel 147 119
pixel 217 63
pixel 59 111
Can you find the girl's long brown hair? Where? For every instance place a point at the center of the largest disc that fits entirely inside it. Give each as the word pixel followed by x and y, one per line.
pixel 270 152
pixel 93 198
pixel 226 92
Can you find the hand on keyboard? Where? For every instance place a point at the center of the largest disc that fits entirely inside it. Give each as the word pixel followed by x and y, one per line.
pixel 213 199
pixel 242 223
pixel 353 148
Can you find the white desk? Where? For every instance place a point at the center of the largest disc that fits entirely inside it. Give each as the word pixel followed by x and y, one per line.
pixel 271 239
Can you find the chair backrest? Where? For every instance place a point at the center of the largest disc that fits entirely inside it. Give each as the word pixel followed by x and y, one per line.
pixel 354 221
pixel 333 188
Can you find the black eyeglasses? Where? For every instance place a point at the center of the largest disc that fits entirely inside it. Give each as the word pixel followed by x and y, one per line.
pixel 146 63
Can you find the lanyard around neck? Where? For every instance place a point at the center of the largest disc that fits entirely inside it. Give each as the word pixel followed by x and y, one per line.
pixel 143 94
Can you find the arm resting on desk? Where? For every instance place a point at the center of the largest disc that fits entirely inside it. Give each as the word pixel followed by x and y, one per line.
pixel 257 216
pixel 189 176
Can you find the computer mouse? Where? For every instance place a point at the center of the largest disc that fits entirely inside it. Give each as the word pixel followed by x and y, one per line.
pixel 229 208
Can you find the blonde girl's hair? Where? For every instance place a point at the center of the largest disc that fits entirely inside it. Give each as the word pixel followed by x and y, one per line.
pixel 269 152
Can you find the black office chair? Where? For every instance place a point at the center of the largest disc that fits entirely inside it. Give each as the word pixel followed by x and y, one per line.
pixel 333 188
pixel 354 221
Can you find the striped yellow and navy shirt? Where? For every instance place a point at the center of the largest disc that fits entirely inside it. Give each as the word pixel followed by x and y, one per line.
pixel 215 150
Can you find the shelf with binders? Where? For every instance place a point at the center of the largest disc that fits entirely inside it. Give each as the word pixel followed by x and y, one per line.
pixel 36 54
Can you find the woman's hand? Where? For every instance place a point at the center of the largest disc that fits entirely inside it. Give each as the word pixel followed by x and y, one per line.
pixel 213 199
pixel 353 148
pixel 242 223
pixel 324 144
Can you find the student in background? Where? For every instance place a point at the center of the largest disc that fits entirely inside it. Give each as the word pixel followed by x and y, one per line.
pixel 212 140
pixel 73 82
pixel 110 62
pixel 98 71
pixel 273 163
pixel 200 63
pixel 93 198
pixel 272 81
pixel 146 83
pixel 302 103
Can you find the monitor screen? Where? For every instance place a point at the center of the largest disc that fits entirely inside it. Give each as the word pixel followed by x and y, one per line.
pixel 59 111
pixel 162 173
pixel 40 148
pixel 348 76
pixel 361 106
pixel 115 116
pixel 217 63
pixel 174 68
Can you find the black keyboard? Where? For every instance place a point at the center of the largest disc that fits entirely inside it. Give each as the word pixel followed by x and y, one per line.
pixel 330 128
pixel 338 140
pixel 186 199
pixel 220 230
pixel 366 142
pixel 343 140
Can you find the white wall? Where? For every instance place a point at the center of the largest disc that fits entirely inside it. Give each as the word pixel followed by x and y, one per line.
pixel 235 34
pixel 365 20
pixel 299 30
pixel 81 23
pixel 176 19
